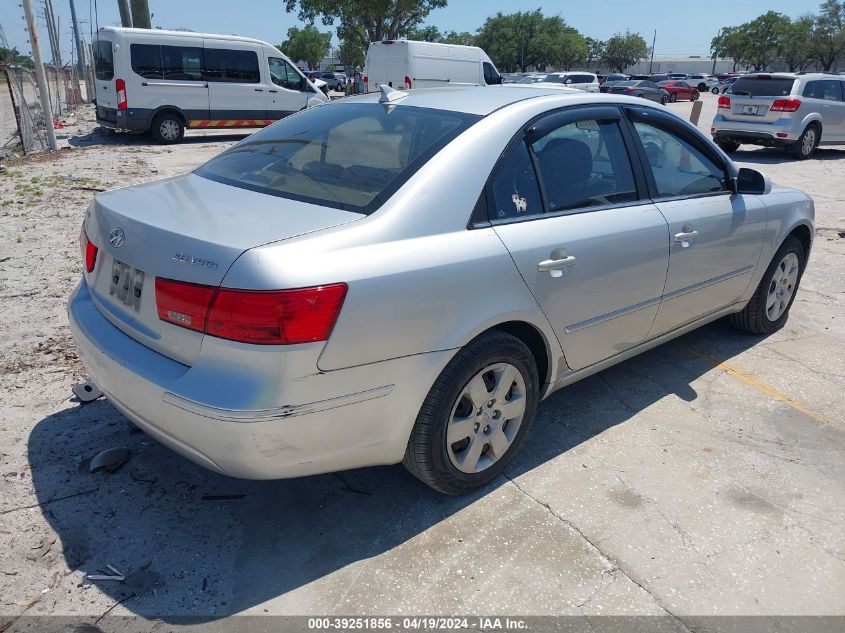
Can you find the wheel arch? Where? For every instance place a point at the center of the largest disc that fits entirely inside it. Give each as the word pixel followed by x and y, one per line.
pixel 535 341
pixel 805 235
pixel 169 108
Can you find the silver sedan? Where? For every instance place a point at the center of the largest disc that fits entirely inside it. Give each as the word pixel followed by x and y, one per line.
pixel 403 277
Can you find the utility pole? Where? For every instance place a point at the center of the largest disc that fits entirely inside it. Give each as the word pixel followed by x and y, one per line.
pixel 141 14
pixel 653 42
pixel 125 13
pixel 39 75
pixel 80 61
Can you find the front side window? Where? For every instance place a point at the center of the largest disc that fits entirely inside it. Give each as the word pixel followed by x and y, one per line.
pixel 585 164
pixel 232 66
pixel 103 60
pixel 351 156
pixel 283 74
pixel 678 167
pixel 490 75
pixel 515 191
pixel 182 63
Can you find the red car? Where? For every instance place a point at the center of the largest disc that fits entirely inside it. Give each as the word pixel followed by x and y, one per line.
pixel 679 89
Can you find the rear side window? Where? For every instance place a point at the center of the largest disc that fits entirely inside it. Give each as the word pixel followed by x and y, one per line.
pixel 182 63
pixel 146 60
pixel 760 87
pixel 827 89
pixel 351 156
pixel 678 167
pixel 103 60
pixel 232 66
pixel 585 164
pixel 515 191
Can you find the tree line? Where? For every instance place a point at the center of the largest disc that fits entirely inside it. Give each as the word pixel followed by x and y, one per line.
pixel 811 40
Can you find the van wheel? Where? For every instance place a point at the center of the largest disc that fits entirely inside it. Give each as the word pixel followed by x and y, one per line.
pixel 475 415
pixel 167 128
pixel 807 143
pixel 768 309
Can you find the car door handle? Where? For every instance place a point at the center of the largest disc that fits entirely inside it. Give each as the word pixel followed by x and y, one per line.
pixel 686 236
pixel 258 89
pixel 555 265
pixel 273 91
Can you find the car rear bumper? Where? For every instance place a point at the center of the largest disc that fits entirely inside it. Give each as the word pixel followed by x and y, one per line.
pixel 133 120
pixel 778 133
pixel 302 425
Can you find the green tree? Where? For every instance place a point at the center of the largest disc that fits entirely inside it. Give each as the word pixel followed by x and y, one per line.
pixel 12 56
pixel 623 50
pixel 308 45
pixel 571 48
pixel 367 20
pixel 464 38
pixel 595 49
pixel 765 36
pixel 797 43
pixel 425 34
pixel 731 43
pixel 829 34
pixel 351 53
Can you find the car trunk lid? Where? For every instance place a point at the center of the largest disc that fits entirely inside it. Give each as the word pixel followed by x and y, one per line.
pixel 187 229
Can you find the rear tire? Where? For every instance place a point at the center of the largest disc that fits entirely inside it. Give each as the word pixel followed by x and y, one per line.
pixel 694 97
pixel 729 147
pixel 168 128
pixel 806 143
pixel 715 90
pixel 664 99
pixel 768 309
pixel 492 377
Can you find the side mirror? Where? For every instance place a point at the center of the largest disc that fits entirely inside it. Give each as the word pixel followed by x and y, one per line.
pixel 753 182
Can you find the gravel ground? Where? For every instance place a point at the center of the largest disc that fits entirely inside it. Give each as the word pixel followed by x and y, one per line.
pixel 705 477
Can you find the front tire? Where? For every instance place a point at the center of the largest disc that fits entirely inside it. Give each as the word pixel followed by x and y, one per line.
pixel 768 309
pixel 167 128
pixel 715 90
pixel 475 416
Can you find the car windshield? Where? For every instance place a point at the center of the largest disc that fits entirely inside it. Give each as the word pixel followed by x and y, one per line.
pixel 763 86
pixel 350 156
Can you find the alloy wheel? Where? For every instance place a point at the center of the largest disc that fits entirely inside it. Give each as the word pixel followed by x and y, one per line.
pixel 486 418
pixel 808 141
pixel 782 286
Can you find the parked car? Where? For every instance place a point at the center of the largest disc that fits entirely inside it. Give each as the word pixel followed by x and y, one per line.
pixel 640 88
pixel 678 76
pixel 609 80
pixel 679 90
pixel 724 85
pixel 659 77
pixel 162 82
pixel 335 81
pixel 796 112
pixel 411 64
pixel 587 82
pixel 366 308
pixel 702 81
pixel 532 79
pixel 512 78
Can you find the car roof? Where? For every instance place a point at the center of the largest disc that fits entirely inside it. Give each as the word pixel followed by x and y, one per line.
pixel 480 100
pixel 183 34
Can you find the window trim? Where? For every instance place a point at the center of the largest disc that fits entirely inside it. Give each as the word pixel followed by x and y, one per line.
pixel 554 119
pixel 689 134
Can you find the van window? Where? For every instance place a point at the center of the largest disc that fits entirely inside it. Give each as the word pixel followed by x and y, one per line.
pixel 490 75
pixel 232 66
pixel 283 74
pixel 316 156
pixel 828 89
pixel 103 60
pixel 182 62
pixel 146 60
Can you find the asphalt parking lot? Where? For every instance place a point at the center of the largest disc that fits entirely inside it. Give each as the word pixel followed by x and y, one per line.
pixel 705 477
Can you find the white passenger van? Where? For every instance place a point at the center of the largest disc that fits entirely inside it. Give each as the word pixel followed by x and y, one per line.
pixel 164 81
pixel 410 64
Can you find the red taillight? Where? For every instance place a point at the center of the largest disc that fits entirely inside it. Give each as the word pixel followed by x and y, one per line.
pixel 725 102
pixel 365 78
pixel 263 317
pixel 629 90
pixel 408 83
pixel 786 105
pixel 183 304
pixel 120 89
pixel 88 250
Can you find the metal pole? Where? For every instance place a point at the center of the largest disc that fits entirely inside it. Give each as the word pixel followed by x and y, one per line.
pixel 125 13
pixel 39 75
pixel 80 61
pixel 653 42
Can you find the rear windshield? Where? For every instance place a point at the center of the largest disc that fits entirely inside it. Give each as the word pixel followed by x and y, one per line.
pixel 347 156
pixel 103 60
pixel 759 87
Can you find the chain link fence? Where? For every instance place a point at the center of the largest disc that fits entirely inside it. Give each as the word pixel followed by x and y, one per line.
pixel 22 120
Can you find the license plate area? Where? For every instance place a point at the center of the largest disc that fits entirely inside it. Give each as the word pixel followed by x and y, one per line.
pixel 752 110
pixel 126 284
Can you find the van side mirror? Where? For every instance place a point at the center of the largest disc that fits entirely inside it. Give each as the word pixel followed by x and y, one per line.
pixel 753 182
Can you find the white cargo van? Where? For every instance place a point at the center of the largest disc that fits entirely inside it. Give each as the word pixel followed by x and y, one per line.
pixel 410 64
pixel 164 81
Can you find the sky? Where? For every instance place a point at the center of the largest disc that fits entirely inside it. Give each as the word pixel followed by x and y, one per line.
pixel 683 27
